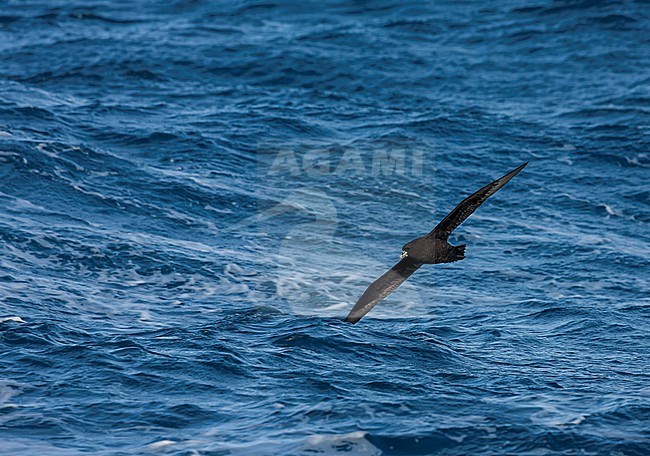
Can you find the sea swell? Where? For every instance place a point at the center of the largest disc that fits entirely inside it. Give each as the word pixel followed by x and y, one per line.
pixel 194 194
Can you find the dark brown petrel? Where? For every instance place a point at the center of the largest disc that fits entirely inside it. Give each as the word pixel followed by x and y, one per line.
pixel 430 249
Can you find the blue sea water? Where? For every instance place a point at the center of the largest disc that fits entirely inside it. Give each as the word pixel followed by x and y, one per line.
pixel 193 195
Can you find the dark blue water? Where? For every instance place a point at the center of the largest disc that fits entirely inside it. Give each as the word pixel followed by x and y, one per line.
pixel 193 194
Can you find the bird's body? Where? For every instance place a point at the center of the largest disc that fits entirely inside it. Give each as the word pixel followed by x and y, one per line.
pixel 430 250
pixel 433 248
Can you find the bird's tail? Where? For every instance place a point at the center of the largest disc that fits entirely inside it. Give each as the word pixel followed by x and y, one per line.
pixel 458 253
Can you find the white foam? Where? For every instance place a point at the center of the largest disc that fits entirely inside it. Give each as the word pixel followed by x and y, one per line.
pixel 611 211
pixel 330 444
pixel 160 445
pixel 322 444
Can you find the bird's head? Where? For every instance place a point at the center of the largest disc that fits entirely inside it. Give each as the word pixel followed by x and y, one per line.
pixel 406 249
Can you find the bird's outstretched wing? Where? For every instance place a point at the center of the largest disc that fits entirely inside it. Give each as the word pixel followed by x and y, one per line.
pixel 382 287
pixel 469 205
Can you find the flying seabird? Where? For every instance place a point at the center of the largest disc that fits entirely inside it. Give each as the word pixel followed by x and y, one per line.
pixel 430 249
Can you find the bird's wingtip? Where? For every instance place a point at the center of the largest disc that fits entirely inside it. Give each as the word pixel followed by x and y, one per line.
pixel 516 171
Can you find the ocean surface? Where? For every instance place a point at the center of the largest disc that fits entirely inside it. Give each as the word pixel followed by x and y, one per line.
pixel 194 194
